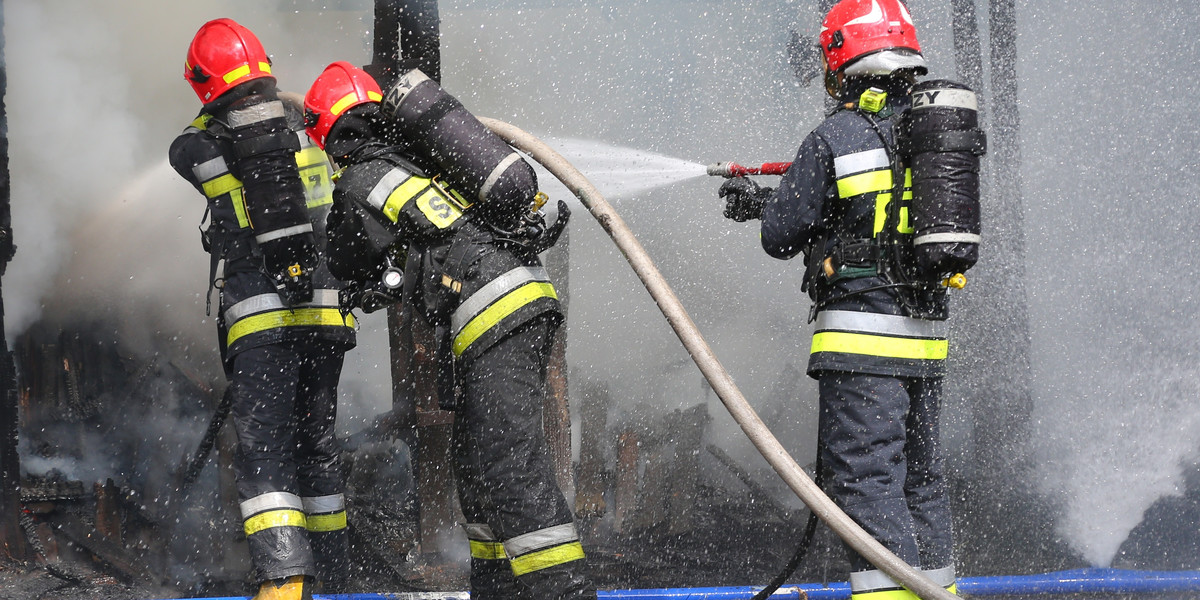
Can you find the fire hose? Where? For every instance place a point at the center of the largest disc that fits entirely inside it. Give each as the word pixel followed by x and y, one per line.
pixel 720 380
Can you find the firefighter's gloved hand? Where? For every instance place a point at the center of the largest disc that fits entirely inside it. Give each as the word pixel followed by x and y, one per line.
pixel 744 199
pixel 548 236
pixel 294 285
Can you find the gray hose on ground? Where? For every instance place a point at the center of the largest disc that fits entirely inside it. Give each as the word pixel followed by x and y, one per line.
pixel 714 372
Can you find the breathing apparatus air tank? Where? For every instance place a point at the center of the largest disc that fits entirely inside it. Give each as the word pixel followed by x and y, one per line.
pixel 476 161
pixel 942 141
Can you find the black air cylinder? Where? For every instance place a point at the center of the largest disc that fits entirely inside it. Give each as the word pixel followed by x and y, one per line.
pixel 476 161
pixel 942 141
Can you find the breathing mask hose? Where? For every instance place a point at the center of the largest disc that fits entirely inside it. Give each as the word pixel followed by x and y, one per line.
pixel 714 372
pixel 810 531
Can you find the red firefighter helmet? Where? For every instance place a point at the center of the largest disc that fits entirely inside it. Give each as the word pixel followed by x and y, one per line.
pixel 857 28
pixel 222 55
pixel 340 87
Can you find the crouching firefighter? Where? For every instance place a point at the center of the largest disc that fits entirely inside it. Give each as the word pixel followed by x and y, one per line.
pixel 883 200
pixel 463 223
pixel 282 335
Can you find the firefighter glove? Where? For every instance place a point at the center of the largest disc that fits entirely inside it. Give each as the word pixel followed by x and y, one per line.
pixel 744 199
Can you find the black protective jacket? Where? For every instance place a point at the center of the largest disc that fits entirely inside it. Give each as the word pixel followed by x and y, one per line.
pixel 464 277
pixel 261 219
pixel 834 202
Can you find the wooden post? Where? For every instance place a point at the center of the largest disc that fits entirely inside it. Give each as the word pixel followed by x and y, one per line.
pixel 12 542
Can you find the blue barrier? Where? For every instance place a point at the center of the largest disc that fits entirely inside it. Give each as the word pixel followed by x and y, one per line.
pixel 1078 581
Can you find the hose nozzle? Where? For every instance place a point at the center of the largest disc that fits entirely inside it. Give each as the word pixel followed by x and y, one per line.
pixel 732 169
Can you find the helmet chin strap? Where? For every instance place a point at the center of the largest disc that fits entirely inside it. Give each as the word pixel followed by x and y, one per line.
pixel 833 83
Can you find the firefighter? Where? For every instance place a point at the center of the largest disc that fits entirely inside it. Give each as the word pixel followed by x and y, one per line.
pixel 282 336
pixel 458 206
pixel 879 346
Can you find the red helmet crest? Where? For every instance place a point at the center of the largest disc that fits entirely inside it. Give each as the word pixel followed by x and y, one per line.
pixel 340 87
pixel 222 55
pixel 856 28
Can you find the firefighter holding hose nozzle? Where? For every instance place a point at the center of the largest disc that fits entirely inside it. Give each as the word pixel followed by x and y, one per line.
pixel 461 216
pixel 282 335
pixel 882 199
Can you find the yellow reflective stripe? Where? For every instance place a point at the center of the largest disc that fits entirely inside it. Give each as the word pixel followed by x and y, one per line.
pixel 487 550
pixel 265 67
pixel 221 185
pixel 314 173
pixel 544 559
pixel 501 308
pixel 236 74
pixel 274 518
pixel 440 211
pixel 331 522
pixel 228 184
pixel 901 594
pixel 311 156
pixel 343 104
pixel 201 122
pixel 878 345
pixel 287 318
pixel 863 183
pixel 881 202
pixel 400 196
pixel 952 588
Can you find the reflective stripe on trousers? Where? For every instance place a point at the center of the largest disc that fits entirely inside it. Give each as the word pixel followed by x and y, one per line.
pixel 267 311
pixel 877 585
pixel 273 509
pixel 325 513
pixel 484 545
pixel 493 302
pixel 873 334
pixel 544 548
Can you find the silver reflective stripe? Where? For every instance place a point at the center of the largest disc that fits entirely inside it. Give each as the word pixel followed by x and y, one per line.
pixel 948 97
pixel 542 538
pixel 867 581
pixel 407 82
pixel 305 141
pixel 944 576
pixel 210 169
pixel 387 184
pixel 264 302
pixel 270 501
pixel 494 176
pixel 479 532
pixel 860 162
pixel 891 325
pixel 256 114
pixel 489 293
pixel 282 233
pixel 317 505
pixel 946 238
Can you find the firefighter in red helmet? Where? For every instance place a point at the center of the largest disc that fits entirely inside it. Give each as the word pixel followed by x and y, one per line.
pixel 879 347
pixel 454 202
pixel 282 336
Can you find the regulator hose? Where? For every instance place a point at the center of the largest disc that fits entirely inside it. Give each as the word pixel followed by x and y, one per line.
pixel 720 380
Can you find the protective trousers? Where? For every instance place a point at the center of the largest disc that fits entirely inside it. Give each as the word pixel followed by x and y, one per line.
pixel 523 538
pixel 883 467
pixel 288 466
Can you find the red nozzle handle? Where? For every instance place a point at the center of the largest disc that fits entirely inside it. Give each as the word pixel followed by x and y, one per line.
pixel 730 169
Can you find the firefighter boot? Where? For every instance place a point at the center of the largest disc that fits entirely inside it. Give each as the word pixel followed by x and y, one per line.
pixel 297 587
